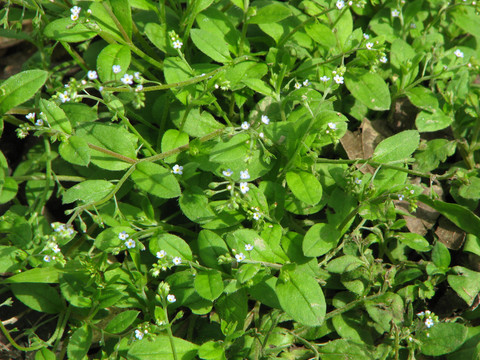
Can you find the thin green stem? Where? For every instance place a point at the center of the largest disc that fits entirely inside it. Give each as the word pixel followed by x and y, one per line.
pixel 14 344
pixel 135 131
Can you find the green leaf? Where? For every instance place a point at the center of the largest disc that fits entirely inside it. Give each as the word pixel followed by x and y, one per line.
pixel 441 255
pixel 20 87
pixel 79 343
pixel 113 54
pixel 343 349
pixel 259 86
pixel 210 247
pixel 321 34
pixel 199 123
pixel 9 190
pixel 160 348
pixel 397 147
pixel 37 275
pixel 271 13
pixel 437 151
pixel 122 321
pixel 45 354
pixel 301 297
pixel 212 350
pixel 157 34
pixel 75 150
pixel 39 297
pixel 423 98
pixel 108 239
pixel 369 88
pixel 209 284
pixel 459 215
pixel 414 241
pixel 88 191
pixel 171 140
pixel 470 190
pixel 442 339
pixel 305 187
pixel 262 251
pixel 67 30
pixel 156 180
pixel 110 137
pixel 432 121
pixel 465 17
pixel 211 45
pixel 320 239
pixel 236 148
pixel 55 116
pixel 123 13
pixel 466 284
pixel 173 246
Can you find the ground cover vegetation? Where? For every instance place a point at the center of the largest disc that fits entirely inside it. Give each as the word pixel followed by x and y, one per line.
pixel 226 179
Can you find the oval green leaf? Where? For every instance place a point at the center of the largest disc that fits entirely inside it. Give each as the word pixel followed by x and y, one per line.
pixel 122 321
pixel 320 239
pixel 39 297
pixel 88 191
pixel 211 44
pixel 172 245
pixel 397 147
pixel 414 241
pixel 209 284
pixel 20 87
pixel 301 297
pixel 432 121
pixel 113 54
pixel 67 30
pixel 305 187
pixel 79 343
pixel 156 180
pixel 369 88
pixel 160 348
pixel 56 117
pixel 75 150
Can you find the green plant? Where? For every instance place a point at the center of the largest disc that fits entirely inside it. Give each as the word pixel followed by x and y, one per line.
pixel 217 202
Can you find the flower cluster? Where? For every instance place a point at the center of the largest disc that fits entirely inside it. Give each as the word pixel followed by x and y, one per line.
pixel 428 318
pixel 164 262
pixel 176 42
pixel 75 13
pixel 297 85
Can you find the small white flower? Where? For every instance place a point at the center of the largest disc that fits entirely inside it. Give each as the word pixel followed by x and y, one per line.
pixel 89 11
pixel 245 125
pixel 39 122
pixel 30 116
pixel 340 4
pixel 427 312
pixel 74 17
pixel 171 298
pixel 413 25
pixel 127 79
pixel 458 53
pixel 64 97
pixel 56 249
pixel 244 187
pixel 161 254
pixel 248 247
pixel 217 86
pixel 46 258
pixel 421 313
pixel 369 45
pixel 123 235
pixel 262 135
pixel 332 125
pixel 130 243
pixel 240 257
pixel 244 175
pixel 116 69
pixel 366 36
pixel 177 260
pixel 306 82
pixel 350 3
pixel 324 78
pixel 177 169
pixel 139 88
pixel 227 173
pixel 395 13
pixel 139 334
pixel 100 88
pixel 256 216
pixel 400 197
pixel 136 74
pixel 75 10
pixel 84 82
pixel 298 85
pixel 92 74
pixel 429 323
pixel 410 338
pixel 338 79
pixel 265 119
pixel 383 59
pixel 358 181
pixel 177 44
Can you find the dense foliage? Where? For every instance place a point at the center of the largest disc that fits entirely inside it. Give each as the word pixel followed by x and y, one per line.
pixel 226 179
